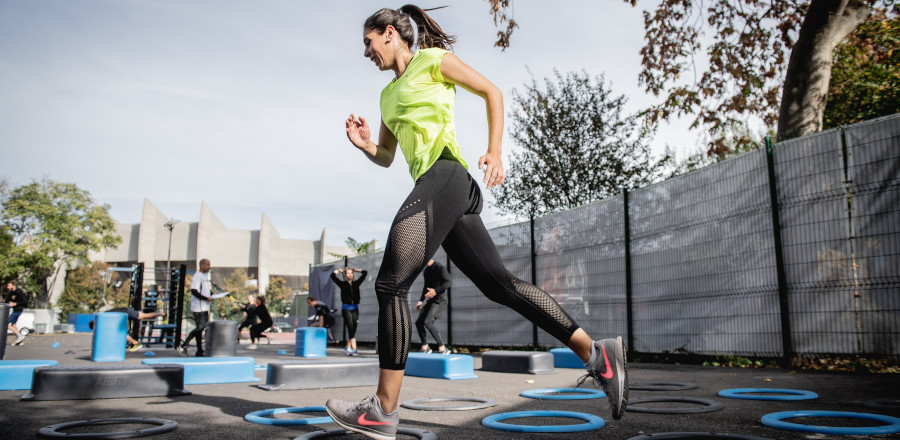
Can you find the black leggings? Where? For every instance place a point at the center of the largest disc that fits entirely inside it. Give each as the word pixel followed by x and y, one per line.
pixel 256 330
pixel 430 312
pixel 351 320
pixel 200 318
pixel 443 209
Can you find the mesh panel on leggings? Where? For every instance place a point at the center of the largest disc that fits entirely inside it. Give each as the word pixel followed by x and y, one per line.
pixel 396 341
pixel 540 298
pixel 408 241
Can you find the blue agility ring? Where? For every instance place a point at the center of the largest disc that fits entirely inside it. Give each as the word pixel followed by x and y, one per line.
pixel 260 416
pixel 738 393
pixel 546 393
pixel 493 422
pixel 774 420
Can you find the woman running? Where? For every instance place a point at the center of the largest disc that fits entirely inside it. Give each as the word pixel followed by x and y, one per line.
pixel 443 210
pixel 350 303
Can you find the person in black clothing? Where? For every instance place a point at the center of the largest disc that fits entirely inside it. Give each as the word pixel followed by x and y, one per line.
pixel 17 300
pixel 437 281
pixel 324 317
pixel 249 310
pixel 132 315
pixel 350 303
pixel 265 321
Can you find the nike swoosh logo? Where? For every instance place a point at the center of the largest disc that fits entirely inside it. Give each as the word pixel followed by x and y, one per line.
pixel 609 372
pixel 362 421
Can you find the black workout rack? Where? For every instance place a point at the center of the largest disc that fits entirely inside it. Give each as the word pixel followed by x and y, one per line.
pixel 168 294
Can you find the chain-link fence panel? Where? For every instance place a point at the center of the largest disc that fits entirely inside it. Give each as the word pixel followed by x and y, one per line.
pixel 812 203
pixel 874 180
pixel 703 267
pixel 581 264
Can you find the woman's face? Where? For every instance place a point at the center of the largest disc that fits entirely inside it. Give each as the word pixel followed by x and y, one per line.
pixel 378 48
pixel 348 274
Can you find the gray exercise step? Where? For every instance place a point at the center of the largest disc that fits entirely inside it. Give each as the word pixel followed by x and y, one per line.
pixel 321 373
pixel 106 382
pixel 526 362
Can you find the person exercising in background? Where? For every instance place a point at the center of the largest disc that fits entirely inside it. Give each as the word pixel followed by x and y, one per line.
pixel 201 293
pixel 265 321
pixel 437 281
pixel 324 317
pixel 132 315
pixel 16 299
pixel 350 303
pixel 249 310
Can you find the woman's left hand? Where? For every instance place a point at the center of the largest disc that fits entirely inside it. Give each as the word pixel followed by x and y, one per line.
pixel 493 169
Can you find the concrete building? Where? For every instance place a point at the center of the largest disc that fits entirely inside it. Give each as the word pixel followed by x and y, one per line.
pixel 262 252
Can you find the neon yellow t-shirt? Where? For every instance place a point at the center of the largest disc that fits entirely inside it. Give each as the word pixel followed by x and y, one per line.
pixel 418 109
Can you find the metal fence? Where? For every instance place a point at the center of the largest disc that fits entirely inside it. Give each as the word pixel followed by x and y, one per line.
pixel 694 264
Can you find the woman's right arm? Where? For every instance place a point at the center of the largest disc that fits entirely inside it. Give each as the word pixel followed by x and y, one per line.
pixel 359 133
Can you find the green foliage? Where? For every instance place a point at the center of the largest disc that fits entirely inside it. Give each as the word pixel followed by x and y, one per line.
pixel 84 292
pixel 46 224
pixel 238 284
pixel 739 362
pixel 865 77
pixel 360 248
pixel 737 139
pixel 577 146
pixel 278 296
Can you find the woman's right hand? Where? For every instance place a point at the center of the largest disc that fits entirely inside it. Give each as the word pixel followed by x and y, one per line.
pixel 358 131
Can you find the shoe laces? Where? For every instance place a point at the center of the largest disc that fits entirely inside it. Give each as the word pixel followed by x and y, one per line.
pixel 367 402
pixel 594 375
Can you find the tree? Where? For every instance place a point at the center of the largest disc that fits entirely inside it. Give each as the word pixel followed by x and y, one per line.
pixel 278 296
pixel 749 72
pixel 238 283
pixel 734 139
pixel 865 80
pixel 577 147
pixel 51 225
pixel 360 248
pixel 88 289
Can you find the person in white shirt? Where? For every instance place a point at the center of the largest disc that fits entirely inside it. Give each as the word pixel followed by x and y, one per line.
pixel 201 293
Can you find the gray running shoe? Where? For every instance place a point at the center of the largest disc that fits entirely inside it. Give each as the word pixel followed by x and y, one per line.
pixel 19 340
pixel 607 368
pixel 365 417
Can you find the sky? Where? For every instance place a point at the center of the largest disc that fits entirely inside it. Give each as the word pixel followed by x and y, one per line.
pixel 242 104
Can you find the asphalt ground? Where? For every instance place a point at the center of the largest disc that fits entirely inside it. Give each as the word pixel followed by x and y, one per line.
pixel 216 411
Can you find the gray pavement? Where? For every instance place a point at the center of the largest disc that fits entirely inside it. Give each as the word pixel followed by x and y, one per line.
pixel 216 411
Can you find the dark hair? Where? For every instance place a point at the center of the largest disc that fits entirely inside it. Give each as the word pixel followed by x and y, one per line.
pixel 430 34
pixel 261 299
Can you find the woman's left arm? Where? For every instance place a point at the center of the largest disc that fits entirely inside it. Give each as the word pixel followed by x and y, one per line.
pixel 457 72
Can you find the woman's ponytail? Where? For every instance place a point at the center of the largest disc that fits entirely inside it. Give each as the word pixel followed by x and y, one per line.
pixel 430 33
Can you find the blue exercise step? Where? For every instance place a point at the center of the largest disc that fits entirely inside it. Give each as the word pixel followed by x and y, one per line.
pixel 526 362
pixel 204 370
pixel 439 366
pixel 320 373
pixel 108 341
pixel 310 342
pixel 106 382
pixel 17 374
pixel 566 358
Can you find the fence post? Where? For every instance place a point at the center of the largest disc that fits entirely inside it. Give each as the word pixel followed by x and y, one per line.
pixel 786 344
pixel 534 329
pixel 629 316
